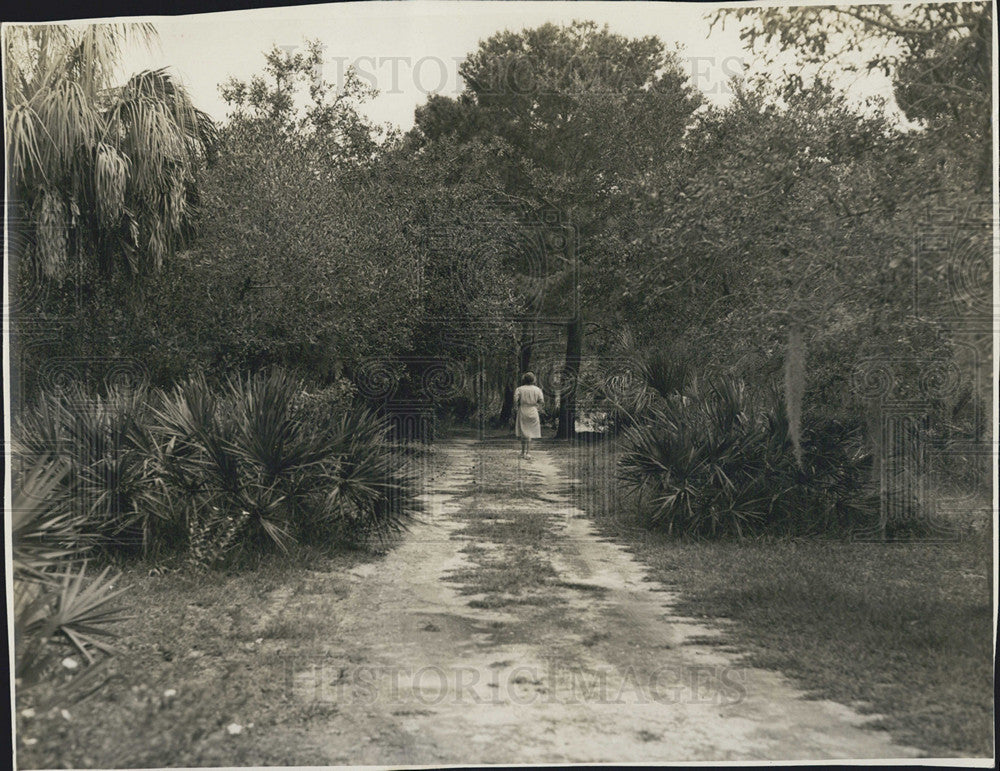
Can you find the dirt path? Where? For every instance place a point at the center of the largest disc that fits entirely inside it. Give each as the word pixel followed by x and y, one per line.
pixel 504 630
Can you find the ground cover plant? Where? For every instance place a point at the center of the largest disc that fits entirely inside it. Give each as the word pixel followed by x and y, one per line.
pixel 58 608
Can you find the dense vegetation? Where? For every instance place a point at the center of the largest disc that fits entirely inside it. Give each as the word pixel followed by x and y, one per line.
pixel 735 288
pixel 199 475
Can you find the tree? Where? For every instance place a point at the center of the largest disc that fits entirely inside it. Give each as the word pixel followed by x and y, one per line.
pixel 937 54
pixel 103 171
pixel 779 249
pixel 461 241
pixel 938 178
pixel 295 209
pixel 313 231
pixel 543 97
pixel 757 219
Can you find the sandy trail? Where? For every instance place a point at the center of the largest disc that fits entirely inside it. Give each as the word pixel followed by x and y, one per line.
pixel 427 662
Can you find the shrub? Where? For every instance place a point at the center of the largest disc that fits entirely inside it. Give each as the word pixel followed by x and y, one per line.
pixel 664 372
pixel 44 529
pixel 322 404
pixel 104 441
pixel 717 461
pixel 370 493
pixel 628 395
pixel 252 465
pixel 257 467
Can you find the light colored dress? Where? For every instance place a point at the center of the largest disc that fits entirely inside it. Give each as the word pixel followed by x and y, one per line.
pixel 527 400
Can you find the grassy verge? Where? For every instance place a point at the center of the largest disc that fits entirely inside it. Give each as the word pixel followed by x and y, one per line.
pixel 200 653
pixel 903 630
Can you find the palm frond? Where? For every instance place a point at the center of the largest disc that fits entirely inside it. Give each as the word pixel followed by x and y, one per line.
pixel 44 529
pixel 127 154
pixel 83 611
pixel 111 172
pixel 25 135
pixel 718 461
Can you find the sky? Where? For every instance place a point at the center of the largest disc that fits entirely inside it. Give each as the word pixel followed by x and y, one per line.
pixel 411 49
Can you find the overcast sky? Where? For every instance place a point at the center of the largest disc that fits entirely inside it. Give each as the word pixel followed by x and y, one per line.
pixel 410 49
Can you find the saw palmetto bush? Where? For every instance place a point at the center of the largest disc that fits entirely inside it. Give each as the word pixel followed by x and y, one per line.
pixel 247 468
pixel 57 607
pixel 234 465
pixel 718 461
pixel 365 488
pixel 103 440
pixel 368 491
pixel 44 529
pixel 630 391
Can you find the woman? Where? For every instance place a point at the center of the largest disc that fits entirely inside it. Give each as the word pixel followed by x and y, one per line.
pixel 527 399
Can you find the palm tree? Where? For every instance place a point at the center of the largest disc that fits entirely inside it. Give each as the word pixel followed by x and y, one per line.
pixel 96 168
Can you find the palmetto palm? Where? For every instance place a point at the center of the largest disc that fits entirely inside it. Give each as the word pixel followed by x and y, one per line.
pixel 96 167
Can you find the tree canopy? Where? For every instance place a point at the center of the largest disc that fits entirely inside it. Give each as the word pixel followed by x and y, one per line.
pixel 937 54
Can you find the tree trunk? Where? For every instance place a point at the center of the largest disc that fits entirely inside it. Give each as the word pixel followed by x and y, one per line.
pixel 526 347
pixel 571 373
pixel 507 408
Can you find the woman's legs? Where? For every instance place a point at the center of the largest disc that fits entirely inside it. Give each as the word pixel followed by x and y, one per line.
pixel 524 445
pixel 527 447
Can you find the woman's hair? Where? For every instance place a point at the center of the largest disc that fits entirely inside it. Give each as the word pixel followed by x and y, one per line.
pixel 528 378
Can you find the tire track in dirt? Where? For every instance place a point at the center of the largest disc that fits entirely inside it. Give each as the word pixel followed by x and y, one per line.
pixel 503 629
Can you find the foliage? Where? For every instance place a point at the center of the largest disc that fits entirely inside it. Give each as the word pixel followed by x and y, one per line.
pixel 318 405
pixel 756 218
pixel 639 381
pixel 341 259
pixel 368 490
pixel 103 171
pixel 937 54
pixel 67 611
pixel 718 461
pixel 539 99
pixel 245 467
pixel 463 230
pixel 56 606
pixel 103 185
pixel 547 91
pixel 795 214
pixel 793 209
pixel 329 127
pixel 44 530
pixel 249 468
pixel 664 373
pixel 294 208
pixel 103 440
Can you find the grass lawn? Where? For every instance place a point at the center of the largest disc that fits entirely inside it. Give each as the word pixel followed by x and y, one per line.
pixel 900 629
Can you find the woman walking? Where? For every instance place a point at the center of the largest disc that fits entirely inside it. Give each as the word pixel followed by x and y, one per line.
pixel 528 425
